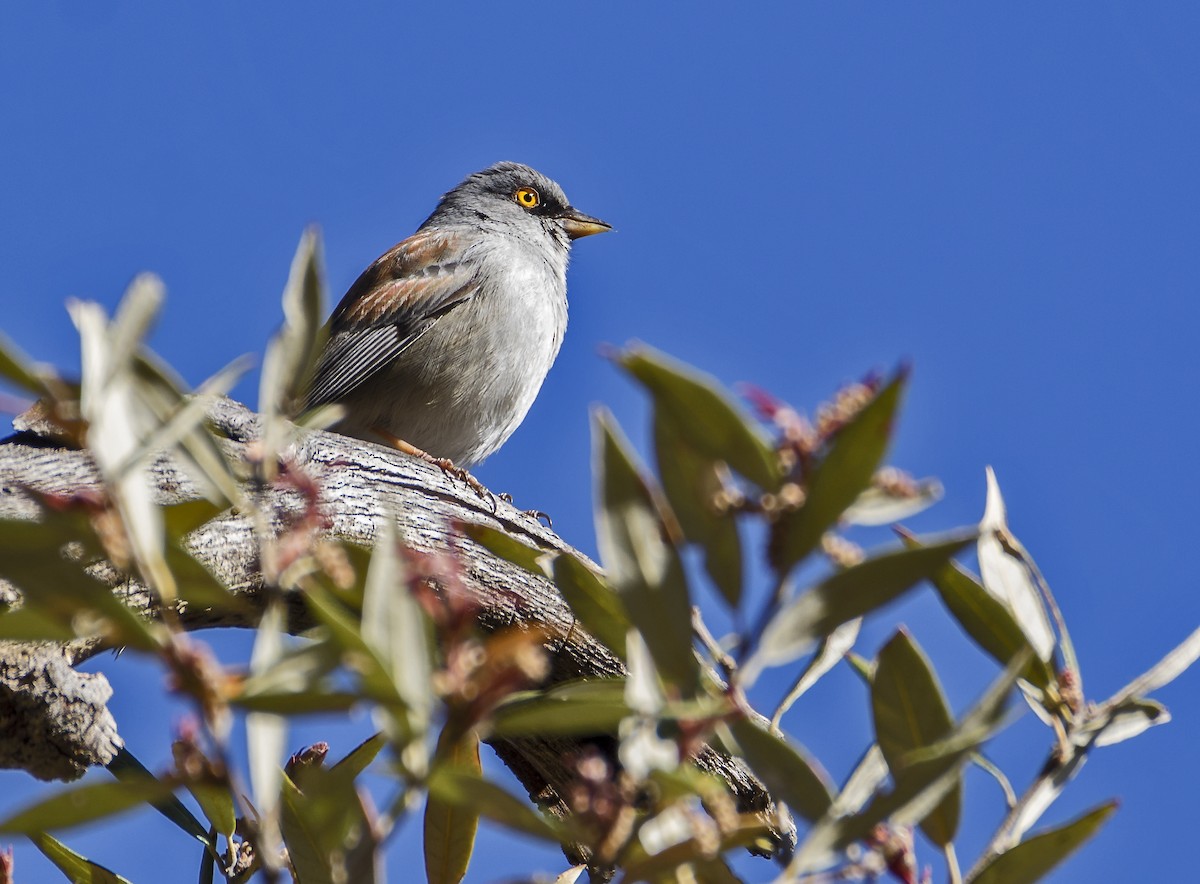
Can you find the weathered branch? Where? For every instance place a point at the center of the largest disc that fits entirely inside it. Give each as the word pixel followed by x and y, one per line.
pixel 357 483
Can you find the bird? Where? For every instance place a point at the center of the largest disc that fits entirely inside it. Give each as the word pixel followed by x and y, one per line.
pixel 441 345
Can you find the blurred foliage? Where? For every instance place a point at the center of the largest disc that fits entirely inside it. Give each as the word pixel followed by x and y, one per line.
pixel 397 634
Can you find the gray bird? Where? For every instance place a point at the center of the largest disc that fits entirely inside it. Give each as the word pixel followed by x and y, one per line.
pixel 444 341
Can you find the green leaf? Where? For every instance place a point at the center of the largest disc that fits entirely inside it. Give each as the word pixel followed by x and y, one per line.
pixel 877 506
pixel 706 416
pixel 362 755
pixel 449 829
pixel 690 480
pixel 640 557
pixel 292 354
pixel 19 369
pixel 326 829
pixel 217 803
pixel 911 713
pixel 1033 859
pixel 57 588
pixel 789 774
pixel 549 715
pixel 396 629
pixel 984 618
pixel 266 732
pixel 596 604
pixel 507 547
pixel 77 869
pixel 845 595
pixel 839 477
pixel 126 767
pixel 84 804
pixel 919 786
pixel 463 788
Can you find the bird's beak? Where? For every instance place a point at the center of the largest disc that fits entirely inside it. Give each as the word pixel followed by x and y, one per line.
pixel 578 224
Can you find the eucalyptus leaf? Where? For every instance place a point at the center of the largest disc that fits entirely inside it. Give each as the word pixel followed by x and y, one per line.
pixel 85 804
pixel 266 733
pixel 690 481
pixel 788 772
pixel 449 828
pixel 126 767
pixel 846 595
pixel 596 604
pixel 1008 578
pixel 465 789
pixel 842 474
pixel 640 557
pixel 706 416
pixel 1035 858
pixel 911 712
pixel 78 869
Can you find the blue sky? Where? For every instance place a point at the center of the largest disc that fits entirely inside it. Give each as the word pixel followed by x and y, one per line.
pixel 1004 196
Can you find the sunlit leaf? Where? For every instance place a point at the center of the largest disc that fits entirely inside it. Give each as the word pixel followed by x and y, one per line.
pixel 395 628
pixel 707 417
pixel 1122 722
pixel 911 713
pixel 1033 859
pixel 841 475
pixel 19 369
pixel 1008 578
pixel 833 648
pixel 641 560
pixel 449 829
pixel 920 786
pixel 507 547
pixel 878 506
pixel 1166 670
pixel 845 595
pixel 292 354
pixel 986 619
pixel 77 869
pixel 266 733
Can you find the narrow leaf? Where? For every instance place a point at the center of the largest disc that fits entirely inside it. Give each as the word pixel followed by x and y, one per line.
pixel 450 828
pixel 877 506
pixel 640 557
pixel 789 774
pixel 1007 578
pixel 462 788
pixel 1032 860
pixel 266 733
pixel 706 416
pixel 126 767
pixel 839 478
pixel 846 595
pixel 596 604
pixel 690 482
pixel 84 804
pixel 78 869
pixel 911 713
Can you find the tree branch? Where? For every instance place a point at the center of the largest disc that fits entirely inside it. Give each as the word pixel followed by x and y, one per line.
pixel 356 482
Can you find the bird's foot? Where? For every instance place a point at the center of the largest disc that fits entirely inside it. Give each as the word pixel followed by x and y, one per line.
pixel 444 464
pixel 533 514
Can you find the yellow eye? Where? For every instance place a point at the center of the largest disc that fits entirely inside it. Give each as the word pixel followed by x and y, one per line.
pixel 528 197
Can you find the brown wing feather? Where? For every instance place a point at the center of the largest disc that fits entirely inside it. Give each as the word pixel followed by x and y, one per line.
pixel 395 301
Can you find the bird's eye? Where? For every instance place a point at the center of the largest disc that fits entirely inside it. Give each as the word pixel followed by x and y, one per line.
pixel 528 197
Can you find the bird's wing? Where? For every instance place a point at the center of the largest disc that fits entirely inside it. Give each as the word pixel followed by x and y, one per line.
pixel 395 301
